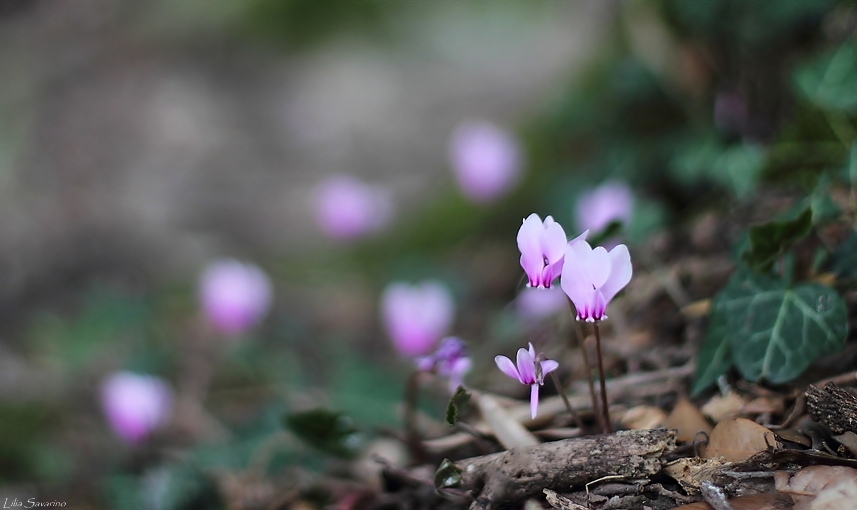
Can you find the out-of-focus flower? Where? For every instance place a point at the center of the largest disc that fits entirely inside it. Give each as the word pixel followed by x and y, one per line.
pixel 591 277
pixel 537 304
pixel 346 208
pixel 135 404
pixel 597 208
pixel 416 316
pixel 485 159
pixel 234 296
pixel 450 361
pixel 542 246
pixel 527 372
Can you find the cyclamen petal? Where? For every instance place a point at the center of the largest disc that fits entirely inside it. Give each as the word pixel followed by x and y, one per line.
pixel 450 361
pixel 347 208
pixel 591 278
pixel 534 400
pixel 526 367
pixel 506 365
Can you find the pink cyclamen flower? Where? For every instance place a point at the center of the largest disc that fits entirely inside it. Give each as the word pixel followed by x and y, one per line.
pixel 135 404
pixel 485 160
pixel 416 316
pixel 234 296
pixel 346 208
pixel 527 372
pixel 450 361
pixel 542 246
pixel 591 277
pixel 597 208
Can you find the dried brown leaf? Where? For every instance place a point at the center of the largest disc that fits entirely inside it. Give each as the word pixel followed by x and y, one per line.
pixel 723 408
pixel 738 439
pixel 644 418
pixel 820 487
pixel 688 420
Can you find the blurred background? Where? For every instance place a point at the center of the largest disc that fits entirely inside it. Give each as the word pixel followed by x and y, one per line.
pixel 209 198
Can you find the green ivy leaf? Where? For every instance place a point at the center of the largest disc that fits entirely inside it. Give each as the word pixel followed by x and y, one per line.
pixel 714 357
pixel 771 240
pixel 447 475
pixel 831 80
pixel 843 261
pixel 329 431
pixel 456 405
pixel 774 331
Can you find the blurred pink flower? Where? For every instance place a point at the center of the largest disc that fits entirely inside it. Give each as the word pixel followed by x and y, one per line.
pixel 592 277
pixel 135 404
pixel 537 304
pixel 485 160
pixel 527 372
pixel 234 296
pixel 597 208
pixel 346 208
pixel 416 316
pixel 450 361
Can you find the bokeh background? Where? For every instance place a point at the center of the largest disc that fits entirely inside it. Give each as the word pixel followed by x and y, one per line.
pixel 140 141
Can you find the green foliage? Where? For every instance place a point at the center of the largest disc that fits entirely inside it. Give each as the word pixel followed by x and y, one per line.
pixel 460 399
pixel 735 167
pixel 771 240
pixel 329 431
pixel 745 23
pixel 714 357
pixel 843 261
pixel 447 475
pixel 774 331
pixel 364 391
pixel 830 80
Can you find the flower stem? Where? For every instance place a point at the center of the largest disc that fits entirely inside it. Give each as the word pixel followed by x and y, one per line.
pixel 565 401
pixel 581 340
pixel 412 435
pixel 608 428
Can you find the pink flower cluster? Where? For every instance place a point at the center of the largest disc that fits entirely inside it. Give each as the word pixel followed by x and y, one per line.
pixel 590 277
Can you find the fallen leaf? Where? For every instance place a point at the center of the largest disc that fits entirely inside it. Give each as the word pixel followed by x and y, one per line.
pixel 738 439
pixel 688 420
pixel 644 418
pixel 723 408
pixel 819 487
pixel 690 472
pixel 561 502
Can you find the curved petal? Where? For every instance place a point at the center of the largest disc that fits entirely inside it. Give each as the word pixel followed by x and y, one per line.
pixel 598 267
pixel 534 400
pixel 529 235
pixel 549 366
pixel 573 280
pixel 620 272
pixel 553 241
pixel 599 306
pixel 506 365
pixel 533 266
pixel 526 367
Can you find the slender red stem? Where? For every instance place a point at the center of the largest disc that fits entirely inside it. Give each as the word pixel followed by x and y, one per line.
pixel 608 428
pixel 581 340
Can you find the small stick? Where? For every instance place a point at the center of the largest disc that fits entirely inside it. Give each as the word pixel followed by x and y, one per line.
pixel 581 342
pixel 608 428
